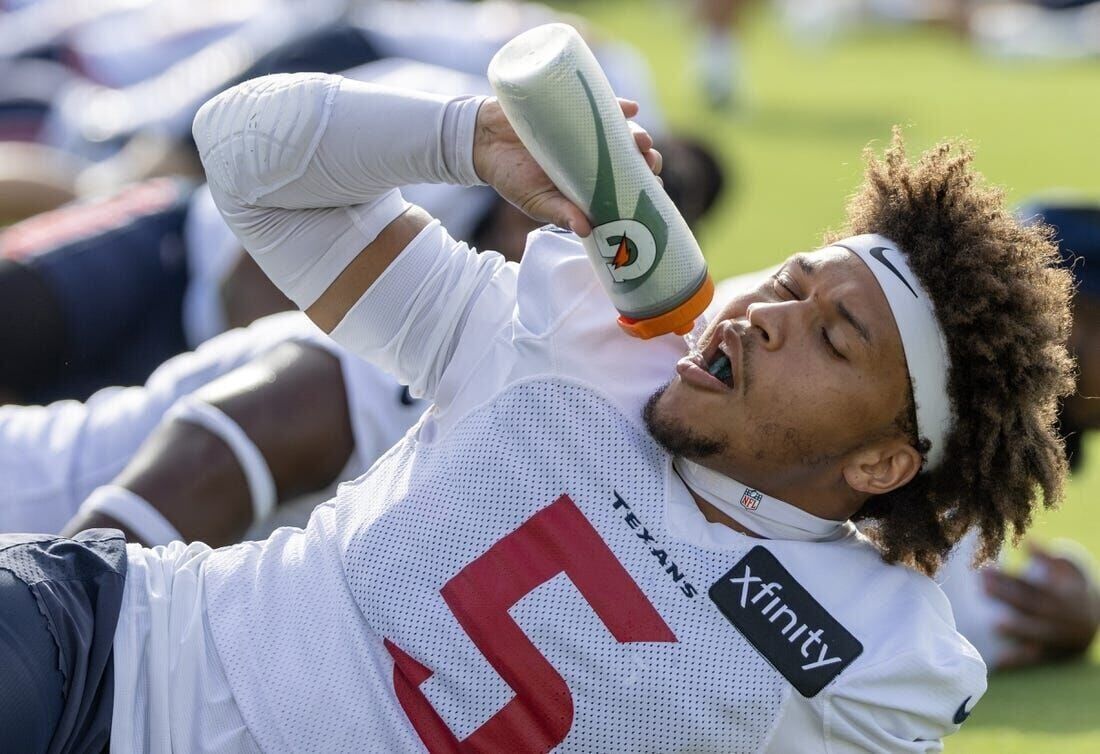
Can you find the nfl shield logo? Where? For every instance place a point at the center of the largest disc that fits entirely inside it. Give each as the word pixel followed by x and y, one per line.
pixel 751 499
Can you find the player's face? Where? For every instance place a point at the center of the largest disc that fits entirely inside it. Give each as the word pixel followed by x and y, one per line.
pixel 816 372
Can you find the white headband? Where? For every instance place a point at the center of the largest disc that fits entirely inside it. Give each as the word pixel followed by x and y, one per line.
pixel 922 337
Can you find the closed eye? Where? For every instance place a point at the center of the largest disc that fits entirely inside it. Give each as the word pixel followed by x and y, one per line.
pixel 784 284
pixel 829 345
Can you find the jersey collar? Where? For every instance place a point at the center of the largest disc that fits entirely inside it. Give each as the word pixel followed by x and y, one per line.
pixel 758 512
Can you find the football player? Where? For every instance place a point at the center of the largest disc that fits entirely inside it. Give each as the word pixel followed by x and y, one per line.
pixel 52 458
pixel 558 555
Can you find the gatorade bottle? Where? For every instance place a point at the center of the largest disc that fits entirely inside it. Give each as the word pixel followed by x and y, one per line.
pixel 561 106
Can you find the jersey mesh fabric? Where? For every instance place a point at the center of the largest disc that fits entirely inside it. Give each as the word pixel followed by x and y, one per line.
pixel 425 513
pixel 558 438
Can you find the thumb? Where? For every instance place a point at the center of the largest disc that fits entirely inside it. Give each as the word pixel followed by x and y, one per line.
pixel 568 215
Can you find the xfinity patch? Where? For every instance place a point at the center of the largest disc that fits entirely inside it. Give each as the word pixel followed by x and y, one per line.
pixel 784 622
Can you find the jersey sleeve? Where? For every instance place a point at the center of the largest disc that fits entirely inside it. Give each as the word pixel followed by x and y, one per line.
pixel 907 703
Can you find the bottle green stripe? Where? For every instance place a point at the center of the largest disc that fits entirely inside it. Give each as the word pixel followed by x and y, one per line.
pixel 605 200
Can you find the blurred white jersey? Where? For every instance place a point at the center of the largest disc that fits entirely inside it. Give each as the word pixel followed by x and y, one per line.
pixel 52 457
pixel 464 36
pixel 524 572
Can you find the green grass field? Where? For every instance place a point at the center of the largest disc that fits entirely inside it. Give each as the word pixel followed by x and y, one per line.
pixel 794 149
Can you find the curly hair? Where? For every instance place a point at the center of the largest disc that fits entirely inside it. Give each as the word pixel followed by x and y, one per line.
pixel 1004 304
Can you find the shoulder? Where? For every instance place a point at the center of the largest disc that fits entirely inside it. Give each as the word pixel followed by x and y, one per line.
pixel 561 305
pixel 893 606
pixel 915 678
pixel 555 277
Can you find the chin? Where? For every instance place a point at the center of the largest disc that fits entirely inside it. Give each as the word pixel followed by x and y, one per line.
pixel 675 421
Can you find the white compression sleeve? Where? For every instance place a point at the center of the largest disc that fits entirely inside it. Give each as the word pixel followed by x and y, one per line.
pixel 304 167
pixel 132 511
pixel 261 485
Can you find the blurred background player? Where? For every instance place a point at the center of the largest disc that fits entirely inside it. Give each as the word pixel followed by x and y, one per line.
pixel 114 98
pixel 100 293
pixel 1049 608
pixel 186 278
pixel 719 61
pixel 205 439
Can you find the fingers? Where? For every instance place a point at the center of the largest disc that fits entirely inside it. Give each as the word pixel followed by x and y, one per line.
pixel 1028 628
pixel 1037 550
pixel 641 136
pixel 1021 655
pixel 655 160
pixel 630 107
pixel 1058 567
pixel 1024 596
pixel 568 215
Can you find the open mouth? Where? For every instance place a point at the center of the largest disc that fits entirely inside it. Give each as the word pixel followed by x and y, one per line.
pixel 715 365
pixel 719 366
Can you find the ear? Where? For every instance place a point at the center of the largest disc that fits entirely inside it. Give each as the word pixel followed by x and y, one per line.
pixel 883 467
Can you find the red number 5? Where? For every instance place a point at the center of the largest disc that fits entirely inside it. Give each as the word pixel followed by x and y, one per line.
pixel 556 539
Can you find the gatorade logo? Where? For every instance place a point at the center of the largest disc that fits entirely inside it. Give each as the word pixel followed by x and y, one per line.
pixel 628 248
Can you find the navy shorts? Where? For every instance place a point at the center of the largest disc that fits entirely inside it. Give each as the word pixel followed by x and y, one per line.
pixel 59 605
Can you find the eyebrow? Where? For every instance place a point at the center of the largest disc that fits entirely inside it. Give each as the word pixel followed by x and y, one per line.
pixel 810 266
pixel 807 265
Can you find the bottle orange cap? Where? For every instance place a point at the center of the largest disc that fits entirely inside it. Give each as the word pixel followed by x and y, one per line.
pixel 680 320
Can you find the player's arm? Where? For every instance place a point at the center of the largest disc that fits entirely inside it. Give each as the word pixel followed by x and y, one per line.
pixel 305 170
pixel 271 430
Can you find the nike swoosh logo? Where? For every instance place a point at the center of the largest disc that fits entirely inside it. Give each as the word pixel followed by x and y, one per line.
pixel 878 253
pixel 961 713
pixel 605 199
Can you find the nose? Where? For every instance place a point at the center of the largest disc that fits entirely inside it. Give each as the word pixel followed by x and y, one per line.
pixel 767 319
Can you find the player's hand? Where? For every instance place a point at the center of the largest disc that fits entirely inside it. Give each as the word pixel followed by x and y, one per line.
pixel 502 161
pixel 1053 615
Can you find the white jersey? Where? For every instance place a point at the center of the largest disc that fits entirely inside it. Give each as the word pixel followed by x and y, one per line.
pixel 52 457
pixel 524 572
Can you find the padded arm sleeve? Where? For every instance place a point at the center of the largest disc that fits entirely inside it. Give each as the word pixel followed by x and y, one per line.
pixel 304 167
